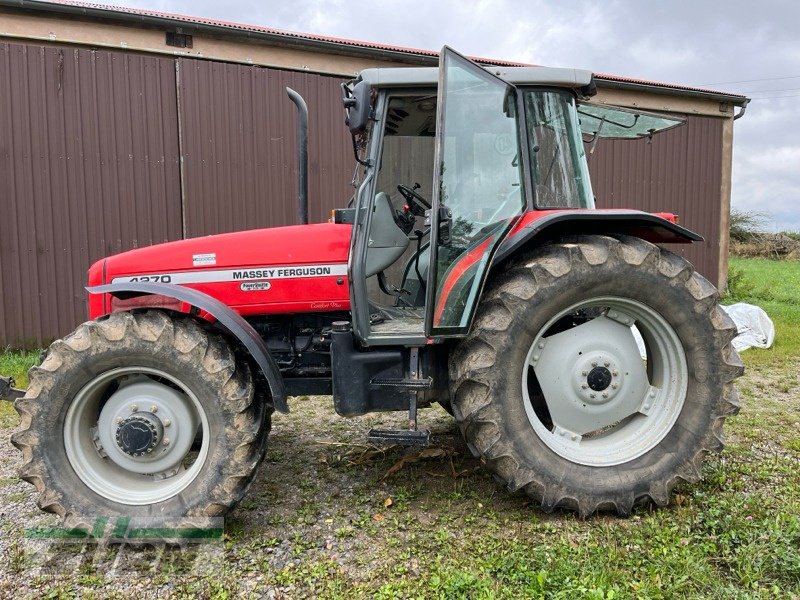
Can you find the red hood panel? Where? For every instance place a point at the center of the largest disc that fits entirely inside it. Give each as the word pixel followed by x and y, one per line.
pixel 300 268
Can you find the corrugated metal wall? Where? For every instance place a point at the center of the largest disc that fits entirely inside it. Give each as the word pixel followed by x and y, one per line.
pixel 679 171
pixel 88 167
pixel 239 143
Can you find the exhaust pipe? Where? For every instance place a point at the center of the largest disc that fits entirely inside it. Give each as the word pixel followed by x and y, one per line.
pixel 302 144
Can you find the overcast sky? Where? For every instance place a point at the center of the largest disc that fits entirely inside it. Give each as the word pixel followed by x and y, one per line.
pixel 747 47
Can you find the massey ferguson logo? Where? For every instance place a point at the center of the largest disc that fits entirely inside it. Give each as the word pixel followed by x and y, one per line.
pixel 282 273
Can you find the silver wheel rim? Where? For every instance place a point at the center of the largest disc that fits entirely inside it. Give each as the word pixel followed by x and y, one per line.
pixel 95 435
pixel 593 394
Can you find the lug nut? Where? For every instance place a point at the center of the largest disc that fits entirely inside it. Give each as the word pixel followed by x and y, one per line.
pixel 118 420
pixel 594 364
pixel 166 442
pixel 592 395
pixel 584 373
pixel 154 409
pixel 605 394
pixel 134 407
pixel 614 373
pixel 613 386
pixel 167 422
pixel 605 364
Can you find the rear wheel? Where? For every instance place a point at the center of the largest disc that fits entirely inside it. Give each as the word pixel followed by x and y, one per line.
pixel 141 415
pixel 598 374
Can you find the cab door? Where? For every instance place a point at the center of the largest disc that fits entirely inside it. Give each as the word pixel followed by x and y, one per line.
pixel 478 189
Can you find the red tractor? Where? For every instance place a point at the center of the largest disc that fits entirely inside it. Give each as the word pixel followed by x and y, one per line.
pixel 584 365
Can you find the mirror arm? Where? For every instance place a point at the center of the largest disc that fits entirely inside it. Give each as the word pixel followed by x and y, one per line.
pixel 359 160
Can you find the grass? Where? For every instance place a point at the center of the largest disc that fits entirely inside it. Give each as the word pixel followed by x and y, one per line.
pixel 16 364
pixel 317 521
pixel 775 286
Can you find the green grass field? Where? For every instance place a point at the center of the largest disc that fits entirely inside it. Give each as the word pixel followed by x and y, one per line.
pixel 16 364
pixel 329 518
pixel 774 286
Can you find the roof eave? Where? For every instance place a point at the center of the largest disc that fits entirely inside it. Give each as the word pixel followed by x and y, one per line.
pixel 172 23
pixel 406 55
pixel 606 82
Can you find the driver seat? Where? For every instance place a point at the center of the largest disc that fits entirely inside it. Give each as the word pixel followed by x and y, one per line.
pixel 387 242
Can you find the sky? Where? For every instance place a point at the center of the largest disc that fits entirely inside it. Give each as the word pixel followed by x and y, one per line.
pixel 740 46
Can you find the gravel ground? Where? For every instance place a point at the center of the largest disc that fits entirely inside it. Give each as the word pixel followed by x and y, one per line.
pixel 330 514
pixel 319 485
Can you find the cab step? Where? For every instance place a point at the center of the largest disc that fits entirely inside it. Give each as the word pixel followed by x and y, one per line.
pixel 408 383
pixel 399 437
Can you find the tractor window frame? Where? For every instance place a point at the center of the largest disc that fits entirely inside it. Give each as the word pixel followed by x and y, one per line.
pixel 433 329
pixel 359 304
pixel 526 137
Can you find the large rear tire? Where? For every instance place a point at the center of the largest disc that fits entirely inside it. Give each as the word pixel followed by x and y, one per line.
pixel 551 390
pixel 141 415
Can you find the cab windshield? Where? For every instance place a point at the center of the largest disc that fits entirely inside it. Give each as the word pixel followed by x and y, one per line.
pixel 559 170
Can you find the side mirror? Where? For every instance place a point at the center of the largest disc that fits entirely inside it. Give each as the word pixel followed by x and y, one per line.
pixel 357 106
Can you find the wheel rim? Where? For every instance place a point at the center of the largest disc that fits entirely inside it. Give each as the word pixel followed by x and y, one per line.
pixel 591 394
pixel 129 432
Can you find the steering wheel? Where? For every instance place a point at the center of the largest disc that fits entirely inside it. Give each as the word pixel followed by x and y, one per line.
pixel 416 203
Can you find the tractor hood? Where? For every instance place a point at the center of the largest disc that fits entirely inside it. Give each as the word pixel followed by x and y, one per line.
pixel 300 268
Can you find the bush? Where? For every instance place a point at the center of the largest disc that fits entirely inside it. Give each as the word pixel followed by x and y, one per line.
pixel 749 239
pixel 746 226
pixel 795 235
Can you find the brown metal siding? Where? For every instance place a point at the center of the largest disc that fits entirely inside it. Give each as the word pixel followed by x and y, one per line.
pixel 679 171
pixel 239 146
pixel 88 168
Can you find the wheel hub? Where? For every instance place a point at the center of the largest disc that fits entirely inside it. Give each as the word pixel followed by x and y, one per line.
pixel 139 434
pixel 146 427
pixel 599 379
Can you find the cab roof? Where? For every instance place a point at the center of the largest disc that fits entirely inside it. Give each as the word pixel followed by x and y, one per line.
pixel 576 79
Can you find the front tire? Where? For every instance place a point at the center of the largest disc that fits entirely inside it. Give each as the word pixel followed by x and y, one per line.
pixel 551 391
pixel 141 415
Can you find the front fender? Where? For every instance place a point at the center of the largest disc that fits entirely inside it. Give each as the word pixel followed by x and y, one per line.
pixel 228 318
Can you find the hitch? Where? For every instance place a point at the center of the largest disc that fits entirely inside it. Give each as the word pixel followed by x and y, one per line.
pixel 8 391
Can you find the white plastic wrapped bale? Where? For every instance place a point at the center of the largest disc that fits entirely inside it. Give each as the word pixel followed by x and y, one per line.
pixel 755 328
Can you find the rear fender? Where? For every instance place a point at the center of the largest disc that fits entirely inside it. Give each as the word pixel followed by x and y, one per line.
pixel 539 227
pixel 232 321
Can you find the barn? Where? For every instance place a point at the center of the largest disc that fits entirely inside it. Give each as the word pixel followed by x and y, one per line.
pixel 124 128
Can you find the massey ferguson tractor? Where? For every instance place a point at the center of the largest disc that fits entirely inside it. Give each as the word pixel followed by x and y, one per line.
pixel 585 365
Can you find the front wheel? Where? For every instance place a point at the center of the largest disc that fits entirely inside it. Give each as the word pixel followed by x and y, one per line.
pixel 598 373
pixel 141 415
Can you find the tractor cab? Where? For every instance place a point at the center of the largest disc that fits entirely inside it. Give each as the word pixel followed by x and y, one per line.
pixel 450 159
